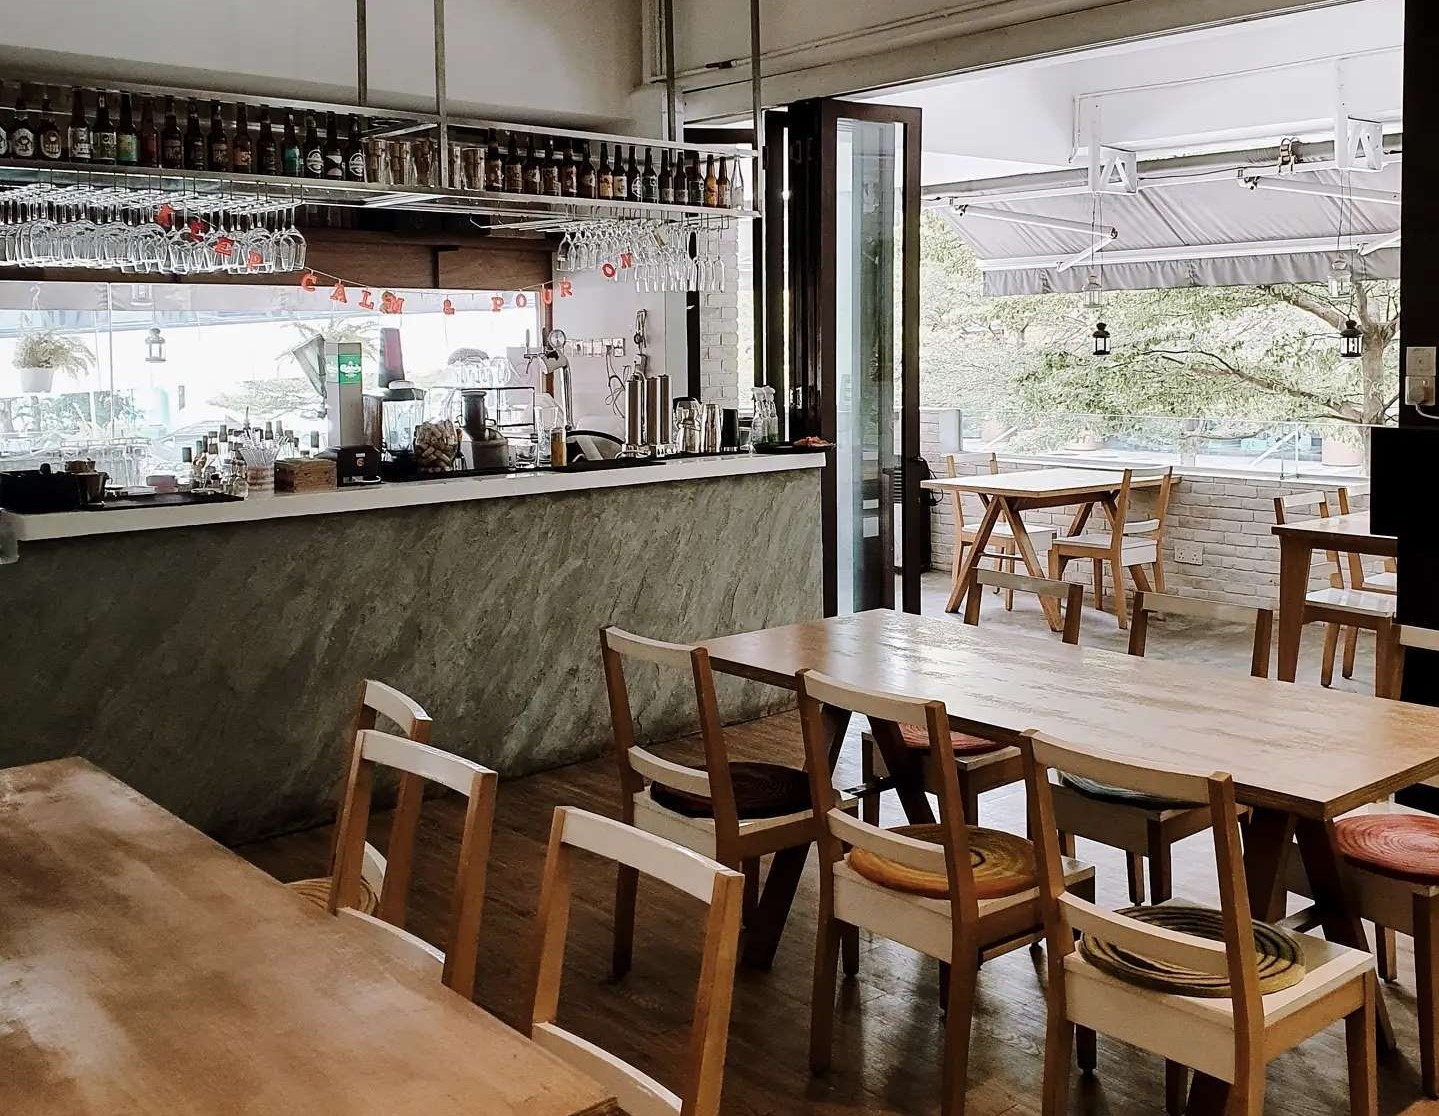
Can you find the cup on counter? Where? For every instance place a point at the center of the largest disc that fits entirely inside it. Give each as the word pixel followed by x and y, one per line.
pixel 92 484
pixel 402 165
pixel 729 430
pixel 710 437
pixel 377 160
pixel 260 480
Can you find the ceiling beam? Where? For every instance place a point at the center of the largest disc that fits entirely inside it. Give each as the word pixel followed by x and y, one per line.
pixel 1328 244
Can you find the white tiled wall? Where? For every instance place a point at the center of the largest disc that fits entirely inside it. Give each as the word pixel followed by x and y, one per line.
pixel 719 327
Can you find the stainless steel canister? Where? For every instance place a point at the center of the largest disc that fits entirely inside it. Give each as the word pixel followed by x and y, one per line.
pixel 658 434
pixel 635 392
pixel 713 416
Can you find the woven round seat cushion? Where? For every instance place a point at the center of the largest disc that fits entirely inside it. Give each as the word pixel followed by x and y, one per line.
pixel 1401 846
pixel 1003 864
pixel 761 790
pixel 1091 788
pixel 317 891
pixel 1281 958
pixel 964 744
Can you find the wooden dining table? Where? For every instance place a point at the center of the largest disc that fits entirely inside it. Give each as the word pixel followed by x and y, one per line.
pixel 1299 757
pixel 1345 534
pixel 146 969
pixel 1011 494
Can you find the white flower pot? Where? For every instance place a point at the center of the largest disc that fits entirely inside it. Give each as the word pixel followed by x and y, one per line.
pixel 36 380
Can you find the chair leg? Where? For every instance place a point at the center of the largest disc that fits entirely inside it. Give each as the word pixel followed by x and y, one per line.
pixel 626 891
pixel 957 1024
pixel 1159 572
pixel 849 949
pixel 1360 1040
pixel 869 804
pixel 1176 1087
pixel 1386 954
pixel 1331 641
pixel 821 1008
pixel 1009 593
pixel 1351 644
pixel 1426 980
pixel 1058 1048
pixel 1098 565
pixel 1161 873
pixel 1066 844
pixel 1135 864
pixel 751 889
pixel 1121 609
pixel 1086 1045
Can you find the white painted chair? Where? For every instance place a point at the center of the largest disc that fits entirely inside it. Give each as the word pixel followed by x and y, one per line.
pixel 711 883
pixel 916 885
pixel 456 965
pixel 733 812
pixel 1228 1038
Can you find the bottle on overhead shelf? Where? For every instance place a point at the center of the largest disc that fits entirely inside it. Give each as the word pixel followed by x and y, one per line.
pixel 649 179
pixel 22 130
pixel 681 183
pixel 172 142
pixel 722 194
pixel 196 150
pixel 620 185
pixel 666 180
pixel 127 137
pixel 569 173
pixel 334 153
pixel 588 184
pixel 514 168
pixel 49 139
pixel 604 177
pixel 313 152
pixel 695 186
pixel 292 159
pixel 711 183
pixel 4 131
pixel 77 136
pixel 354 152
pixel 242 147
pixel 105 139
pixel 533 179
pixel 217 152
pixel 267 151
pixel 637 187
pixel 550 171
pixel 494 163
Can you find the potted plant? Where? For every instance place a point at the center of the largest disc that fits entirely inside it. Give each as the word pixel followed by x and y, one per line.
pixel 41 353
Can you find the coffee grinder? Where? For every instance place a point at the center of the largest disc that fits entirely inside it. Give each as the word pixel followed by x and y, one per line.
pixel 356 460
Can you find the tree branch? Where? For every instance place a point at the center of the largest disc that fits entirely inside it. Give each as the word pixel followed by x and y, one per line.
pixel 1346 412
pixel 1298 297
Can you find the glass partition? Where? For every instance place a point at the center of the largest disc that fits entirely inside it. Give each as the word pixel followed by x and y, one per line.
pixel 137 371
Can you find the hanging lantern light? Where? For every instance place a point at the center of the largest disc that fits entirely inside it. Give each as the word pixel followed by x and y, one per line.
pixel 154 346
pixel 1093 293
pixel 1101 341
pixel 1339 278
pixel 1351 341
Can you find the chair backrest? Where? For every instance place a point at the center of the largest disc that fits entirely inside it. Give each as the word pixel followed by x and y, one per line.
pixel 1064 913
pixel 387 875
pixel 1260 619
pixel 1070 592
pixel 707 881
pixel 456 966
pixel 1404 637
pixel 837 828
pixel 1154 526
pixel 639 764
pixel 1315 505
pixel 956 499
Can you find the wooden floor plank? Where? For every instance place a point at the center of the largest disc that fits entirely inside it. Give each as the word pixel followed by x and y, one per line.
pixel 888 1034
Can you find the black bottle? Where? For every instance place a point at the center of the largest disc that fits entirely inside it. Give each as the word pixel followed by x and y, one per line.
pixel 312 153
pixel 196 150
pixel 218 142
pixel 172 142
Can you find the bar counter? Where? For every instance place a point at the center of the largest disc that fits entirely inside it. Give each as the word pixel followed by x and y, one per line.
pixel 210 656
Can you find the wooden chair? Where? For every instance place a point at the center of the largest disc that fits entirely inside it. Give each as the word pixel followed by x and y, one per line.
pixel 1003 550
pixel 711 883
pixel 732 812
pixel 1352 601
pixel 1141 825
pixel 1125 546
pixel 421 762
pixel 1129 977
pixel 980 764
pixel 916 885
pixel 409 717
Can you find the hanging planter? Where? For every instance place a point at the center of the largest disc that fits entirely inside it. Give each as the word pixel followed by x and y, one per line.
pixel 36 381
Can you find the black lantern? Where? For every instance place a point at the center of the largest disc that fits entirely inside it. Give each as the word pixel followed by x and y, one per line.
pixel 154 347
pixel 1101 340
pixel 1351 341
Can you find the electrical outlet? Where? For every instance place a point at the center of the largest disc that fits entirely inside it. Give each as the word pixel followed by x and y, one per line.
pixel 1419 369
pixel 1189 554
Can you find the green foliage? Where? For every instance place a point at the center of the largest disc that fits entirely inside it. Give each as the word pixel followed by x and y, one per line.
pixel 1236 356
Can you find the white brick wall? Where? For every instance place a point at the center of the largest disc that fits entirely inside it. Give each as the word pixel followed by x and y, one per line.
pixel 719 326
pixel 1229 517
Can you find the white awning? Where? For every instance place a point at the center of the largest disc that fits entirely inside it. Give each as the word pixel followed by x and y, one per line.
pixel 1199 231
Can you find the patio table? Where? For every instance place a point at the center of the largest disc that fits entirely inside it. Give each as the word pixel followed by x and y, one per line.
pixel 1010 494
pixel 1349 534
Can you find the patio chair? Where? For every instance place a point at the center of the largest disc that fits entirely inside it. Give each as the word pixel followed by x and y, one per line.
pixel 1003 552
pixel 1125 546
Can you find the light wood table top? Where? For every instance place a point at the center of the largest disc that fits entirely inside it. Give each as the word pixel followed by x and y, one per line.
pixel 146 969
pixel 1300 749
pixel 1042 482
pixel 1340 532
